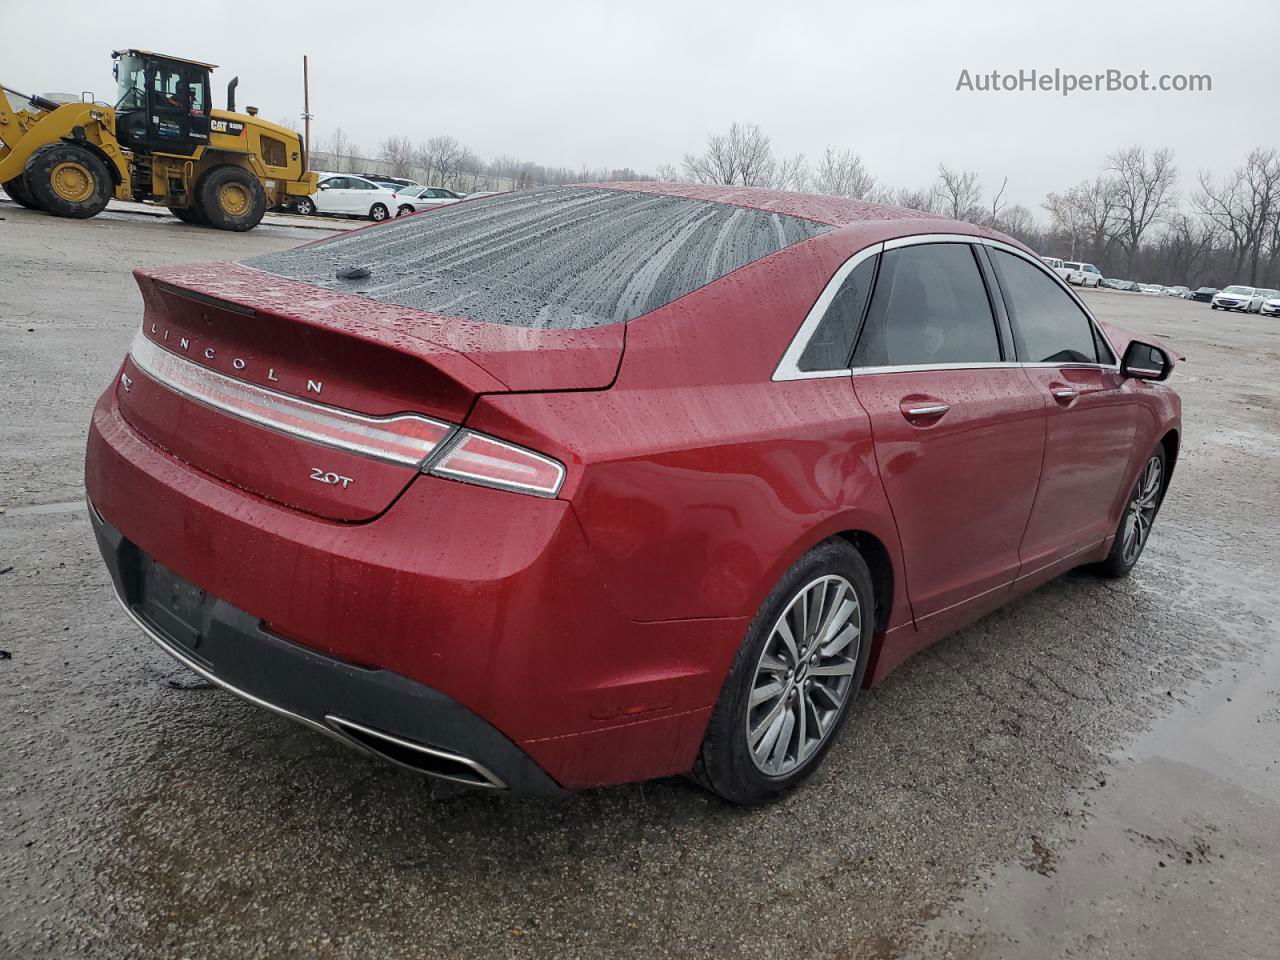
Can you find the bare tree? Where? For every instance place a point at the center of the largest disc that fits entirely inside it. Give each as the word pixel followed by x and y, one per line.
pixel 1086 215
pixel 790 174
pixel 996 205
pixel 398 152
pixel 1246 208
pixel 841 173
pixel 1144 195
pixel 959 193
pixel 667 173
pixel 445 160
pixel 1185 247
pixel 741 157
pixel 923 200
pixel 343 150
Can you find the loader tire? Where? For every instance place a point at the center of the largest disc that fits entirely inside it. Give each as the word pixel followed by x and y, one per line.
pixel 231 198
pixel 68 180
pixel 19 194
pixel 191 215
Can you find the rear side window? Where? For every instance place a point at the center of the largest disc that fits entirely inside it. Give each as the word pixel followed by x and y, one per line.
pixel 930 307
pixel 557 257
pixel 832 341
pixel 1048 326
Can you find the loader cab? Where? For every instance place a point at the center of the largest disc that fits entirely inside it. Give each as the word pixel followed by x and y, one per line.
pixel 162 103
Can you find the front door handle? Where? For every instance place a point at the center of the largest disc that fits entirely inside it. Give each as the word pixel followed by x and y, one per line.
pixel 1064 394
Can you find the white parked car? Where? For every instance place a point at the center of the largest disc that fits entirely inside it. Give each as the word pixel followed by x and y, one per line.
pixel 1082 274
pixel 413 199
pixel 1181 293
pixel 350 196
pixel 1151 289
pixel 1054 264
pixel 1238 297
pixel 1270 306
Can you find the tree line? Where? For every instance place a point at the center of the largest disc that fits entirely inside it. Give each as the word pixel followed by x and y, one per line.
pixel 1130 218
pixel 1134 217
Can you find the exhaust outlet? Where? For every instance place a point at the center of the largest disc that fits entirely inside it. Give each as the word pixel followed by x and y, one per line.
pixel 418 757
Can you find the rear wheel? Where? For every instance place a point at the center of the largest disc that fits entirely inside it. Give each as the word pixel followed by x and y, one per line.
pixel 19 194
pixel 231 198
pixel 792 682
pixel 404 209
pixel 190 215
pixel 1139 514
pixel 68 180
pixel 378 212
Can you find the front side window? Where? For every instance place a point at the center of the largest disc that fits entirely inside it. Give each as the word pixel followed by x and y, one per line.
pixel 1048 326
pixel 832 341
pixel 930 307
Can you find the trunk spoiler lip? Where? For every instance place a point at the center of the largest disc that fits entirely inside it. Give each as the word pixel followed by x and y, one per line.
pixel 509 359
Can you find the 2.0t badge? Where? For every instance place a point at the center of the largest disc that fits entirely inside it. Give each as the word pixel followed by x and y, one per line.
pixel 331 478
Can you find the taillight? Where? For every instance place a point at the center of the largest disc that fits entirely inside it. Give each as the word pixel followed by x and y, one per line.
pixel 409 439
pixel 477 458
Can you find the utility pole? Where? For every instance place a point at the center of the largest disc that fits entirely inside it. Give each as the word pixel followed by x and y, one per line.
pixel 306 116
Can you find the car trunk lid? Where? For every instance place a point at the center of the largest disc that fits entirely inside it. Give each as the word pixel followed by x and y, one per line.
pixel 251 377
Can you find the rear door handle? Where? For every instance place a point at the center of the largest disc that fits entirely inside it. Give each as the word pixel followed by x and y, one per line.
pixel 923 409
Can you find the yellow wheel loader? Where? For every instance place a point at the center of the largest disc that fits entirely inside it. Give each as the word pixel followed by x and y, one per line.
pixel 161 143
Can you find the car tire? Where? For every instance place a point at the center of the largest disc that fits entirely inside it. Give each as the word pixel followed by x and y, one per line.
pixel 68 180
pixel 1139 514
pixel 756 745
pixel 379 212
pixel 19 194
pixel 404 210
pixel 304 206
pixel 231 198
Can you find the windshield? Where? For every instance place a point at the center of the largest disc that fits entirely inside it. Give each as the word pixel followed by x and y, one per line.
pixel 1242 291
pixel 131 82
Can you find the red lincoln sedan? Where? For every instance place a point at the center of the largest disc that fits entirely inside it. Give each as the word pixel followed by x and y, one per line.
pixel 592 484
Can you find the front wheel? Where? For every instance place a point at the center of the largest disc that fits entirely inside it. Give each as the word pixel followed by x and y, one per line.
pixel 19 194
pixel 68 180
pixel 1139 514
pixel 378 212
pixel 304 206
pixel 791 684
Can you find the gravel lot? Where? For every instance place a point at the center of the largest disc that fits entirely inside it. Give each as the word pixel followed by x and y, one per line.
pixel 1091 771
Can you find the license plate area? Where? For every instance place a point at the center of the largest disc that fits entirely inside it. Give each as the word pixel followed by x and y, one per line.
pixel 177 608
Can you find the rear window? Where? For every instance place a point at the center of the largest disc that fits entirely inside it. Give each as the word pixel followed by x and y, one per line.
pixel 558 257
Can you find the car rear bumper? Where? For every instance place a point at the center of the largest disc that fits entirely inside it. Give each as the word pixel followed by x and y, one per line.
pixel 374 711
pixel 457 594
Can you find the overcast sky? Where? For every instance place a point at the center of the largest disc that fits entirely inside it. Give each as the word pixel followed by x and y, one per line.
pixel 567 83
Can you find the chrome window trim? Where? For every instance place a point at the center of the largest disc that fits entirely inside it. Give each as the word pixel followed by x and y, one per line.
pixel 789 366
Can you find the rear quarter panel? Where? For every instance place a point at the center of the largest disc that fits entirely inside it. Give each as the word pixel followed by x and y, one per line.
pixel 697 479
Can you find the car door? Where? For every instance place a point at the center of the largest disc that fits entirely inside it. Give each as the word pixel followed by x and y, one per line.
pixel 957 427
pixel 329 198
pixel 1091 417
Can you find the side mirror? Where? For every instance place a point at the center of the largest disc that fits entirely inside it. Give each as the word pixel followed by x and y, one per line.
pixel 1142 361
pixel 324 186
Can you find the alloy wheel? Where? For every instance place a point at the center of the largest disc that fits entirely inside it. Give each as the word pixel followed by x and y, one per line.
pixel 804 676
pixel 1141 512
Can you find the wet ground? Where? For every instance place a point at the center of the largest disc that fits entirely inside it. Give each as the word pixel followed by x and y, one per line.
pixel 1092 771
